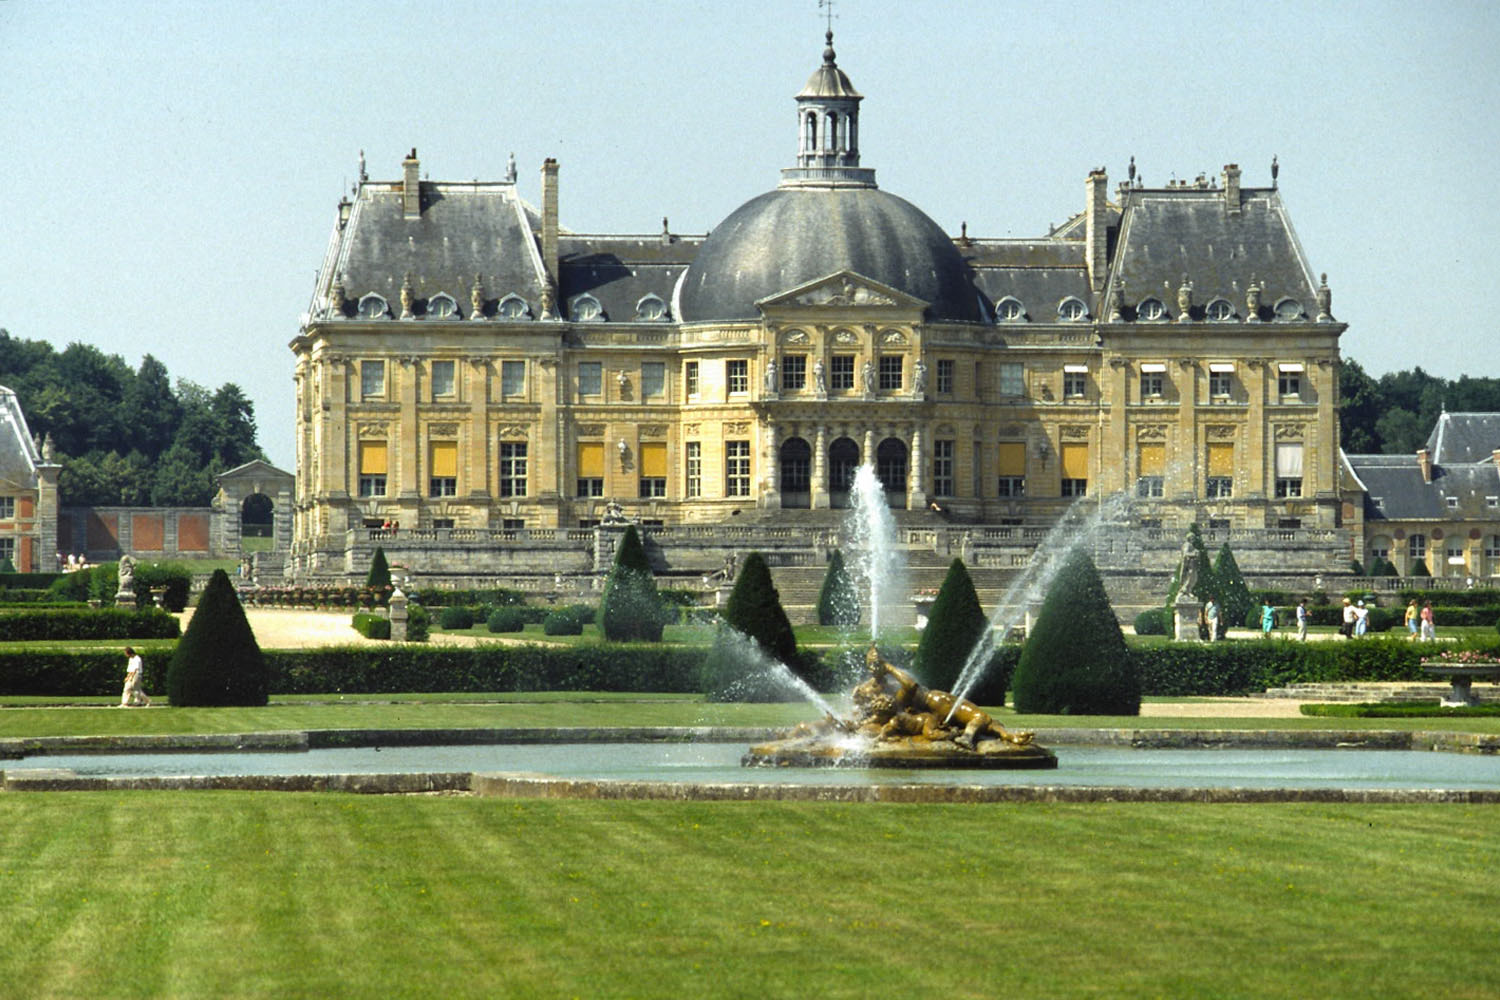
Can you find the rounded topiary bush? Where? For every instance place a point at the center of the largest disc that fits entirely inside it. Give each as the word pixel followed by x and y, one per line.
pixel 1152 621
pixel 562 623
pixel 217 661
pixel 505 620
pixel 955 626
pixel 1075 661
pixel 456 617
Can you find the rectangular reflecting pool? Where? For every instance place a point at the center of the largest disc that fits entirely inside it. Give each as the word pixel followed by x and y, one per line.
pixel 712 763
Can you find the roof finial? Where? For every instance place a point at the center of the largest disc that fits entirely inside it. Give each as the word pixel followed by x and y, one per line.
pixel 827 7
pixel 1275 169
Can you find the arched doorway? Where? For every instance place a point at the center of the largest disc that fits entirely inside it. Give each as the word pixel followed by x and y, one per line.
pixel 843 462
pixel 796 473
pixel 891 469
pixel 257 518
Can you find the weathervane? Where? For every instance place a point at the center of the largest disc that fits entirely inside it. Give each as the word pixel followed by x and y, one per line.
pixel 827 7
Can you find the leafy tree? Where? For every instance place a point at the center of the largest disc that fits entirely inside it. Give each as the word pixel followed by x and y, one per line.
pixel 1075 661
pixel 630 608
pixel 838 601
pixel 1359 407
pixel 955 626
pixel 149 411
pixel 379 576
pixel 217 660
pixel 1234 595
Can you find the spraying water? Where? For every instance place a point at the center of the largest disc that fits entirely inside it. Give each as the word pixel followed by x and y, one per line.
pixel 876 563
pixel 1080 525
pixel 761 673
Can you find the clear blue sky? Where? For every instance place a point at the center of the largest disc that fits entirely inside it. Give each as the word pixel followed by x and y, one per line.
pixel 172 168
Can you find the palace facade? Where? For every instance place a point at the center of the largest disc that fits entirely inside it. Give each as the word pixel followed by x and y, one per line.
pixel 471 375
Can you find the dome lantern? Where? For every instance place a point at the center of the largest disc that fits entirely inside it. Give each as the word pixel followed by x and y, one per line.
pixel 828 130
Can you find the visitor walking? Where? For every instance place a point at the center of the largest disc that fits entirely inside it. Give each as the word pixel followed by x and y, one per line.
pixel 1211 614
pixel 1302 620
pixel 1429 628
pixel 1413 617
pixel 1267 619
pixel 135 692
pixel 1346 629
pixel 1361 619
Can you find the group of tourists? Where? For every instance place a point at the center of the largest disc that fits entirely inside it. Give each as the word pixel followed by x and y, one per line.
pixel 1356 620
pixel 1419 623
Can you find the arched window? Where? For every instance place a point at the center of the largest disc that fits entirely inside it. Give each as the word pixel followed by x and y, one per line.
pixel 831 132
pixel 843 462
pixel 810 133
pixel 586 309
pixel 513 307
pixel 1151 310
pixel 1010 310
pixel 373 306
pixel 796 473
pixel 891 469
pixel 442 306
pixel 257 514
pixel 651 309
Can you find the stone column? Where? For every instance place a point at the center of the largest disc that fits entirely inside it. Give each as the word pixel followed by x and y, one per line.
pixel 398 615
pixel 916 495
pixel 820 499
pixel 770 494
pixel 1185 453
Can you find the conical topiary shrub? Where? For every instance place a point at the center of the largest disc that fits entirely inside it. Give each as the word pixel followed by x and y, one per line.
pixel 379 577
pixel 955 626
pixel 1075 661
pixel 630 608
pixel 838 603
pixel 755 630
pixel 1235 601
pixel 217 661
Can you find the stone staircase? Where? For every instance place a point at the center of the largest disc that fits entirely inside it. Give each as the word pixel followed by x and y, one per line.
pixel 1366 691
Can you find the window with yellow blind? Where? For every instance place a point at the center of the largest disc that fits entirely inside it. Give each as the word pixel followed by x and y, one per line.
pixel 653 470
pixel 1219 483
pixel 1012 468
pixel 590 469
pixel 442 479
pixel 372 468
pixel 1075 470
pixel 1151 462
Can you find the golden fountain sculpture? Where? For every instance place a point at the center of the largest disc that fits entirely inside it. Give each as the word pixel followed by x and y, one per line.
pixel 900 723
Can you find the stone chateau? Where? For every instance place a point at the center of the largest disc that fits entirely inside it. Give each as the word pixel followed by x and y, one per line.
pixel 478 387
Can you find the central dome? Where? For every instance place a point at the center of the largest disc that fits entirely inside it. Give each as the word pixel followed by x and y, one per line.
pixel 796 234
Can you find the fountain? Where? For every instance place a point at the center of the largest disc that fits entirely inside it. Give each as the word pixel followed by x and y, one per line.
pixel 899 722
pixel 875 561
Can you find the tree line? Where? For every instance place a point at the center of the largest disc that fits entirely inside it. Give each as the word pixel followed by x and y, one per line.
pixel 1394 414
pixel 128 436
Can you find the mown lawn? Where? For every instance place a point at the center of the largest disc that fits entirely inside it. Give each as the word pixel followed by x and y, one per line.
pixel 235 894
pixel 35 717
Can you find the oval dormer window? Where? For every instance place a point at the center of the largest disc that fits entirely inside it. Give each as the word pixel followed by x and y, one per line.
pixel 1219 310
pixel 442 306
pixel 1151 310
pixel 373 306
pixel 586 309
pixel 513 307
pixel 1289 310
pixel 1010 310
pixel 1072 309
pixel 651 309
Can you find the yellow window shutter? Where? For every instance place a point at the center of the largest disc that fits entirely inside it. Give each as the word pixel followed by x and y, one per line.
pixel 1012 458
pixel 1153 458
pixel 1075 461
pixel 590 460
pixel 445 459
pixel 372 458
pixel 1221 460
pixel 654 461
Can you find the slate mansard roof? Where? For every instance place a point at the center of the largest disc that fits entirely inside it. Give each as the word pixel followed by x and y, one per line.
pixel 1464 473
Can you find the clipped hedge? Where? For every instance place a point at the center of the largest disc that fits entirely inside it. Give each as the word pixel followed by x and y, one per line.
pixel 505 620
pixel 88 623
pixel 1152 621
pixel 372 626
pixel 456 617
pixel 56 673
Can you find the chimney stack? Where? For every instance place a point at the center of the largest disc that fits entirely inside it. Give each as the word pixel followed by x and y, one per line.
pixel 1096 229
pixel 549 218
pixel 411 187
pixel 1232 188
pixel 1424 459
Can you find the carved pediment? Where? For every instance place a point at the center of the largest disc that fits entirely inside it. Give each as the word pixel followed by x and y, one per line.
pixel 843 289
pixel 373 431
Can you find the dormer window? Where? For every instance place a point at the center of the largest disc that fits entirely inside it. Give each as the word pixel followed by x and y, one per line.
pixel 1010 310
pixel 651 309
pixel 1452 503
pixel 373 306
pixel 1289 311
pixel 1151 310
pixel 1219 311
pixel 513 307
pixel 586 309
pixel 1072 309
pixel 442 306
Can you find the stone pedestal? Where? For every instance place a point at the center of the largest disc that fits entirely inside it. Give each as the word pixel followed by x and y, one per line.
pixel 398 615
pixel 1185 616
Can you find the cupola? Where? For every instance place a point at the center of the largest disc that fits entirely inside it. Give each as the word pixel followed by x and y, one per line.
pixel 828 130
